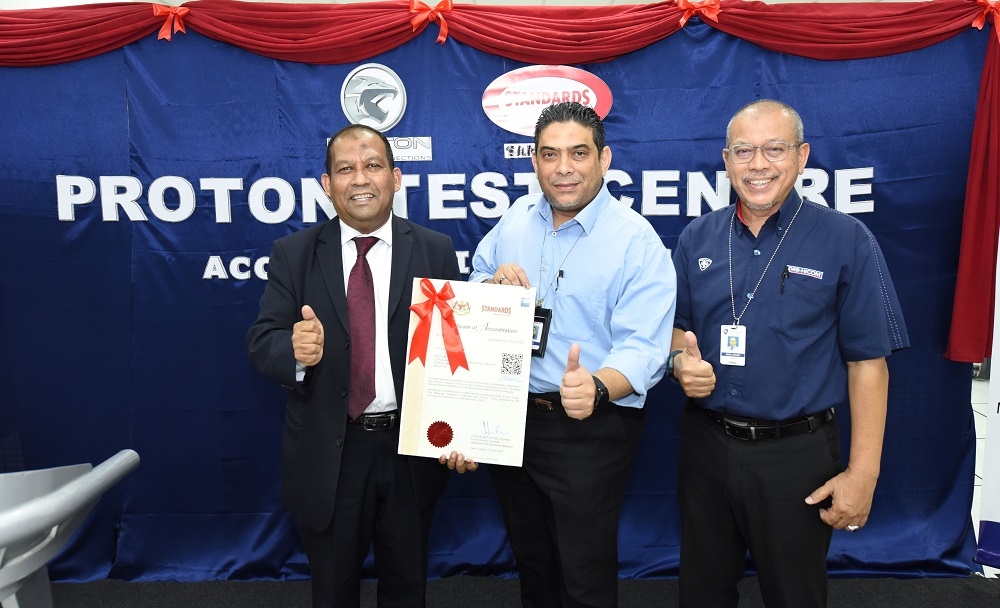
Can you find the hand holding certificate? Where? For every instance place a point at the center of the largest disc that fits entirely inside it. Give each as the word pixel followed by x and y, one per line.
pixel 466 383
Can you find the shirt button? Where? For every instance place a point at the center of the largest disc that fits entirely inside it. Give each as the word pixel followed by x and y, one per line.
pixel 756 251
pixel 554 233
pixel 347 344
pixel 343 392
pixel 734 392
pixel 339 442
pixel 749 296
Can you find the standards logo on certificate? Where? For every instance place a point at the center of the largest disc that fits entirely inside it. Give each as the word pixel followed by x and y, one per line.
pixel 466 386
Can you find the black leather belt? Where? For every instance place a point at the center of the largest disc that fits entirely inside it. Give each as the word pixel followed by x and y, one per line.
pixel 375 422
pixel 755 430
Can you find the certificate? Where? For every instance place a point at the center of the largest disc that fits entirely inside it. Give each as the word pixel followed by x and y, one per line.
pixel 468 357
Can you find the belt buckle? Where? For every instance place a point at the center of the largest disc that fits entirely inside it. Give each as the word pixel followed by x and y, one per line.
pixel 747 432
pixel 376 422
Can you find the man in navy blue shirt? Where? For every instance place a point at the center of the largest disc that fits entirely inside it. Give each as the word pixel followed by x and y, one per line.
pixel 785 312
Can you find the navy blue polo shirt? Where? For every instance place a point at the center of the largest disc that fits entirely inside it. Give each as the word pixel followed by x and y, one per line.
pixel 825 299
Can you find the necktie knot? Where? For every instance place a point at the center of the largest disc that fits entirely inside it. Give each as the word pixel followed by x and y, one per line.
pixel 364 244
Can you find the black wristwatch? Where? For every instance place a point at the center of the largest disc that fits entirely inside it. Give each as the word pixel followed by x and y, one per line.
pixel 670 365
pixel 602 398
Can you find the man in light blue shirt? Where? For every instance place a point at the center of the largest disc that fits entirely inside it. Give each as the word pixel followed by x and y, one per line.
pixel 605 289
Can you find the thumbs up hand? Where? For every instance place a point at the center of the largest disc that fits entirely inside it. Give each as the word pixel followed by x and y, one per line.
pixel 307 338
pixel 577 388
pixel 695 375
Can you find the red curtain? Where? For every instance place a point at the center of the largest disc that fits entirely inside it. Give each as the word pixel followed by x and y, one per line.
pixel 345 33
pixel 971 336
pixel 46 36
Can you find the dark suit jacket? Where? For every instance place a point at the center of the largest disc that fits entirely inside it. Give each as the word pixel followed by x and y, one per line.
pixel 307 268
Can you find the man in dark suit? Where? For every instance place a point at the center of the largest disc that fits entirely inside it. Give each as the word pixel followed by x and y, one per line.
pixel 344 480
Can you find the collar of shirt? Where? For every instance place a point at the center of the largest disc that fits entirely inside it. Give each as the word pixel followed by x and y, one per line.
pixel 384 233
pixel 586 217
pixel 791 202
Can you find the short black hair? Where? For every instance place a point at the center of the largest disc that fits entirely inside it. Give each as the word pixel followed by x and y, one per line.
pixel 571 111
pixel 352 128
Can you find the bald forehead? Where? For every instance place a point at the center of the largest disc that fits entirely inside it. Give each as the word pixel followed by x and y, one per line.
pixel 366 138
pixel 355 134
pixel 774 115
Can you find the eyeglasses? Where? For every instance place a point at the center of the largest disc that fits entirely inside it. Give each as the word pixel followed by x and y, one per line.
pixel 772 151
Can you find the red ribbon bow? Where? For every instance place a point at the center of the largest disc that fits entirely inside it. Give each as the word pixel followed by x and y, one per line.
pixel 449 328
pixel 175 18
pixel 426 13
pixel 989 6
pixel 706 9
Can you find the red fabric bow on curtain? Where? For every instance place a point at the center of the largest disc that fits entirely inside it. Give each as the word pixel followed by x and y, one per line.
pixel 426 13
pixel 449 328
pixel 175 18
pixel 706 9
pixel 989 7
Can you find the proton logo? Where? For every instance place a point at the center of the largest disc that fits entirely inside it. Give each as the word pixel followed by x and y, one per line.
pixel 374 96
pixel 704 263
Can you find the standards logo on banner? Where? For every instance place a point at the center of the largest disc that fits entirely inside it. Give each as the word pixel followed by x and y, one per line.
pixel 514 100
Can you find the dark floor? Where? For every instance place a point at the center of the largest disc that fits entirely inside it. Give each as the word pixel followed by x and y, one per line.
pixel 490 592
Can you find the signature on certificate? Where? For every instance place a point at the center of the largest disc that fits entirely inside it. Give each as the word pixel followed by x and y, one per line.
pixel 492 430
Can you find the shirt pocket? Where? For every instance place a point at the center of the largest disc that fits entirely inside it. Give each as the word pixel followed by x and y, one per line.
pixel 575 313
pixel 807 307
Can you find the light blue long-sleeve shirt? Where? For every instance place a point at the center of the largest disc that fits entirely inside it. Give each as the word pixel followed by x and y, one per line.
pixel 615 295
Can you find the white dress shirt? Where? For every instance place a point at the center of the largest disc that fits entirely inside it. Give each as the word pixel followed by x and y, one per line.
pixel 380 262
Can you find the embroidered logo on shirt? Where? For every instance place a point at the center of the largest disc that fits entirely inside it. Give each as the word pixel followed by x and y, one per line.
pixel 806 272
pixel 704 263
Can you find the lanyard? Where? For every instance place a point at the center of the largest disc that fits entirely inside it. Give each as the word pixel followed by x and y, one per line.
pixel 732 295
pixel 558 272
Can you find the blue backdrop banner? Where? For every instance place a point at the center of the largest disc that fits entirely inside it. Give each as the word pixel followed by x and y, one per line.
pixel 140 191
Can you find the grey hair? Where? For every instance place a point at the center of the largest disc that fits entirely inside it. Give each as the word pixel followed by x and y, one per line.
pixel 769 104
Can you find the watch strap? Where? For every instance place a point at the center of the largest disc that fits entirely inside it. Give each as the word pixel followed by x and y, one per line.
pixel 670 365
pixel 602 398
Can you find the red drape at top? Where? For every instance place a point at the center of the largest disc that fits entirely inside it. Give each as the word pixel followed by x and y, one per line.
pixel 345 33
pixel 47 36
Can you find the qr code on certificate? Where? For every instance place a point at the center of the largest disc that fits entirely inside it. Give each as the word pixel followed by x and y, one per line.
pixel 511 364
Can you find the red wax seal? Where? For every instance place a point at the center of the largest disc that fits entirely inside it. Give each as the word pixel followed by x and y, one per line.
pixel 439 434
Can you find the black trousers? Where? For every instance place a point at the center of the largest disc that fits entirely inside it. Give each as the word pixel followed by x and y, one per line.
pixel 738 496
pixel 376 509
pixel 561 507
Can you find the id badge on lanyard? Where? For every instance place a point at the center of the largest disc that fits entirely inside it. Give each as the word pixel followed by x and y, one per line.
pixel 733 345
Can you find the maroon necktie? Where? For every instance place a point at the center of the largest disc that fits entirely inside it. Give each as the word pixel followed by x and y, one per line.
pixel 361 314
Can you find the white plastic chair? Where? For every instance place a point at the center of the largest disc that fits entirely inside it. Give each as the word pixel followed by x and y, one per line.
pixel 39 512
